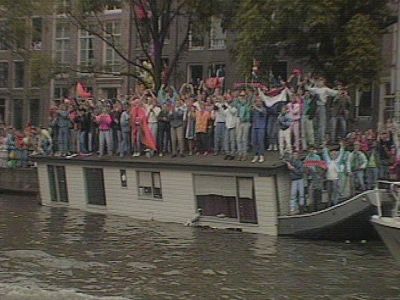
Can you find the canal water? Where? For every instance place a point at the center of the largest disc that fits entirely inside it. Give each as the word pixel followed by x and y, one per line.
pixel 56 253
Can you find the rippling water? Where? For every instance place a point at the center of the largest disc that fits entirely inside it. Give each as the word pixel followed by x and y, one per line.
pixel 56 253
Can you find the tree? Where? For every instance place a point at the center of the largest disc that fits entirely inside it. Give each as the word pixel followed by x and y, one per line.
pixel 153 20
pixel 335 37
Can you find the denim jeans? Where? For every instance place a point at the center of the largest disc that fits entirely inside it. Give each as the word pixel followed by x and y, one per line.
pixel 164 137
pixel 297 193
pixel 242 137
pixel 83 141
pixel 177 140
pixel 126 143
pixel 63 140
pixel 321 123
pixel 372 177
pixel 343 127
pixel 284 141
pixel 258 138
pixel 358 177
pixel 105 139
pixel 272 130
pixel 230 141
pixel 295 130
pixel 333 191
pixel 308 132
pixel 219 135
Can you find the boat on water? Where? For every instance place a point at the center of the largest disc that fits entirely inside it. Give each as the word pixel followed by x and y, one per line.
pixel 388 227
pixel 348 220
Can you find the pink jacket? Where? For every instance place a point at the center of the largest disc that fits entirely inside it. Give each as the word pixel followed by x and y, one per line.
pixel 104 121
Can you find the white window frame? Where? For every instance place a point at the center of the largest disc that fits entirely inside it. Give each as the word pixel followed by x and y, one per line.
pixel 65 41
pixel 215 27
pixel 115 61
pixel 141 196
pixel 84 37
pixel 15 74
pixel 112 9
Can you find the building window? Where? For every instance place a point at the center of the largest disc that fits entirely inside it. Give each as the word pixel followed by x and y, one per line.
pixel 113 5
pixel 18 112
pixel 57 183
pixel 113 36
pixel 3 74
pixel 19 74
pixel 34 112
pixel 110 93
pixel 279 72
pixel 123 177
pixel 217 34
pixel 95 186
pixel 365 104
pixel 226 197
pixel 37 24
pixel 63 6
pixel 62 43
pixel 195 74
pixel 2 111
pixel 86 57
pixel 60 93
pixel 196 37
pixel 149 184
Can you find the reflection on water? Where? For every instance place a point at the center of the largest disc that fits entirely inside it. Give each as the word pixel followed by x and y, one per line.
pixel 56 253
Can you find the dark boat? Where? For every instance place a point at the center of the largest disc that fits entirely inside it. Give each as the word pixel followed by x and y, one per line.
pixel 388 227
pixel 348 220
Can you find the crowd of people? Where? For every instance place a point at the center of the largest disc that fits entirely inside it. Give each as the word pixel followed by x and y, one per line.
pixel 290 119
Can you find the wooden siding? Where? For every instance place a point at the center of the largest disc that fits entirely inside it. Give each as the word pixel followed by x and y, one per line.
pixel 178 203
pixel 266 197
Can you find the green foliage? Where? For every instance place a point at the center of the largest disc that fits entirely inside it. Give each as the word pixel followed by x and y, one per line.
pixel 335 37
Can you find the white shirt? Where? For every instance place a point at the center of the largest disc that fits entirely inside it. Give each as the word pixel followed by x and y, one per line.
pixel 152 116
pixel 230 116
pixel 323 93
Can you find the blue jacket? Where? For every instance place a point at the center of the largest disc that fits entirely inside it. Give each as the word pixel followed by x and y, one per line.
pixel 259 118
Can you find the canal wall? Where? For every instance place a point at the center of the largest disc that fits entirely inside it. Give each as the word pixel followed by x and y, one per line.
pixel 21 180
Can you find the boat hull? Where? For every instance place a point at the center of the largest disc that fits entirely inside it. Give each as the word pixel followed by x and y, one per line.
pixel 348 220
pixel 389 231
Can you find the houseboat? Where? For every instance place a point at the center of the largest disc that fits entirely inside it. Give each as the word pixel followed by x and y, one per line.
pixel 206 191
pixel 229 194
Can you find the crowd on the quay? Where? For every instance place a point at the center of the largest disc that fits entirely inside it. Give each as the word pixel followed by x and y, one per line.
pixel 292 118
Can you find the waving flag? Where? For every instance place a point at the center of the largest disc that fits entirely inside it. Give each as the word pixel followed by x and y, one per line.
pixel 82 92
pixel 274 96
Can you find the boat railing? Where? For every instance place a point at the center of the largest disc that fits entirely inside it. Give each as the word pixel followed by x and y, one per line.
pixel 394 188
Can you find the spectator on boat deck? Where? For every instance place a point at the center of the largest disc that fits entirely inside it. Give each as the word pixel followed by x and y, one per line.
pixel 296 168
pixel 344 178
pixel 126 131
pixel 315 170
pixel 323 93
pixel 230 112
pixel 295 115
pixel 164 131
pixel 46 143
pixel 190 134
pixel 243 125
pixel 284 123
pixel 105 135
pixel 258 130
pixel 372 166
pixel 176 115
pixel 219 126
pixel 356 165
pixel 340 112
pixel 203 118
pixel 332 159
pixel 309 109
pixel 167 95
pixel 63 124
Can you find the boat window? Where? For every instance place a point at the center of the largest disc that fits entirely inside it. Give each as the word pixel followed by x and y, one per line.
pixel 57 183
pixel 226 197
pixel 149 185
pixel 95 186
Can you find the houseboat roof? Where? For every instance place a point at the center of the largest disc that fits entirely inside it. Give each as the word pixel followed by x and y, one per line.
pixel 200 163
